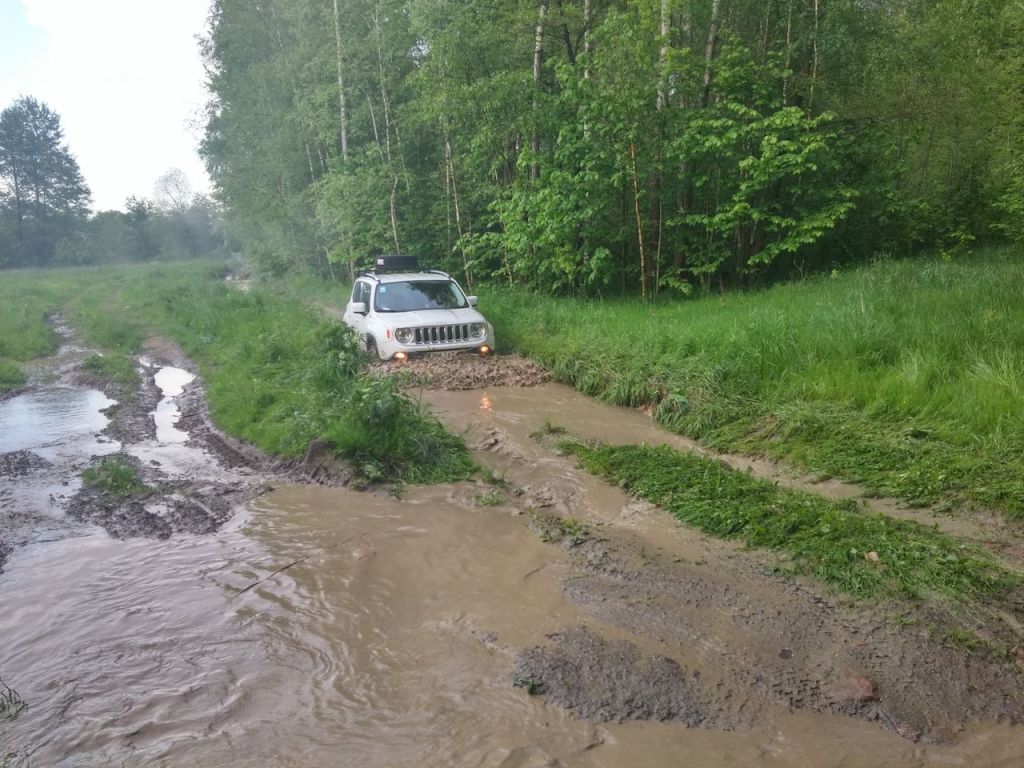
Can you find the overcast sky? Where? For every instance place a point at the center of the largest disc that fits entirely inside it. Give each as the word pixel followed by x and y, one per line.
pixel 124 75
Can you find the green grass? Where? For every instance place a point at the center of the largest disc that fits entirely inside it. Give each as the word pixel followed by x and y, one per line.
pixel 118 368
pixel 907 377
pixel 25 304
pixel 29 298
pixel 861 553
pixel 11 376
pixel 114 476
pixel 278 373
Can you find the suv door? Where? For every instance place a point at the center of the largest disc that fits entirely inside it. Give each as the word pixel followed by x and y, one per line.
pixel 357 320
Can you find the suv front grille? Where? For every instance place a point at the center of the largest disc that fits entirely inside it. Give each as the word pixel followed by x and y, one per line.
pixel 441 334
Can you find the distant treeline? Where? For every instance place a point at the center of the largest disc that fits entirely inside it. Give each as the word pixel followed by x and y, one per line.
pixel 44 205
pixel 588 146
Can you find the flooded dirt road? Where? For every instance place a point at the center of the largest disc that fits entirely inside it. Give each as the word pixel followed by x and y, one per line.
pixel 318 626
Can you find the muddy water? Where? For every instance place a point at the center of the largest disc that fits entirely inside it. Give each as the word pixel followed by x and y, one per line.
pixel 387 643
pixel 54 429
pixel 172 382
pixel 323 627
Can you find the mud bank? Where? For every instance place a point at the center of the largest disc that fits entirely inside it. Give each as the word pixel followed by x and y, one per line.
pixel 747 638
pixel 541 619
pixel 455 371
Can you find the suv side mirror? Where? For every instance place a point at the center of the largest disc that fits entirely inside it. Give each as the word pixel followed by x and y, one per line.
pixel 471 300
pixel 358 307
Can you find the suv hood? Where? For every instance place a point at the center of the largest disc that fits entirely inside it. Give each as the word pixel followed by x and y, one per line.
pixel 428 317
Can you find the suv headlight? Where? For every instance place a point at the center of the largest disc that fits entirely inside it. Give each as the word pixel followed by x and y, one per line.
pixel 476 330
pixel 404 335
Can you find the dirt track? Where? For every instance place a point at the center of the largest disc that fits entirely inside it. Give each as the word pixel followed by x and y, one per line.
pixel 705 633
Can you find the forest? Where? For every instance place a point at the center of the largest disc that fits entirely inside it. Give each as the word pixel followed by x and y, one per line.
pixel 45 216
pixel 597 147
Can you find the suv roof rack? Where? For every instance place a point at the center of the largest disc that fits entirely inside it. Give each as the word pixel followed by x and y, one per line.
pixel 393 263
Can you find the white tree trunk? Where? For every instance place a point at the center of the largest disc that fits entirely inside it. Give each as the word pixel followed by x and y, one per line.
pixel 341 83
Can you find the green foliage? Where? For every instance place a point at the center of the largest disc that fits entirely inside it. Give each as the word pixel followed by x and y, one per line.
pixel 43 197
pixel 117 368
pixel 865 554
pixel 787 144
pixel 904 377
pixel 114 476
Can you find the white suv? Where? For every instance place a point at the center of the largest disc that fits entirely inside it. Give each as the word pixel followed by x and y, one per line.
pixel 397 314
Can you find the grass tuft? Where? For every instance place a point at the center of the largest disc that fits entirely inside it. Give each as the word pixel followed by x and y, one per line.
pixel 864 554
pixel 117 368
pixel 114 476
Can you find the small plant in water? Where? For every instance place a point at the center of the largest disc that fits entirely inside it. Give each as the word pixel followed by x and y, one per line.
pixel 115 476
pixel 531 686
pixel 11 703
pixel 493 498
pixel 546 429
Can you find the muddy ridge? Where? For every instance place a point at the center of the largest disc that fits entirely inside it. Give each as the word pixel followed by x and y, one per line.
pixel 749 637
pixel 456 371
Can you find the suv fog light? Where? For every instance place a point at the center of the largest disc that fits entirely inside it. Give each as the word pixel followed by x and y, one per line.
pixel 401 357
pixel 485 350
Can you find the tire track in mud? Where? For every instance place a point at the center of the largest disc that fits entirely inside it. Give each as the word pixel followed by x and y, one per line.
pixel 747 638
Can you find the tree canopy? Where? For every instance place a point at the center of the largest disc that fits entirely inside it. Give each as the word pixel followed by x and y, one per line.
pixel 593 145
pixel 44 204
pixel 42 192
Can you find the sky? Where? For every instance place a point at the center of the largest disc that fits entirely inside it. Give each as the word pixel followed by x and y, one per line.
pixel 126 78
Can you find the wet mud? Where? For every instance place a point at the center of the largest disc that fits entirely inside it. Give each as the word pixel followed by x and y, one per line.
pixel 754 638
pixel 608 680
pixel 457 371
pixel 540 619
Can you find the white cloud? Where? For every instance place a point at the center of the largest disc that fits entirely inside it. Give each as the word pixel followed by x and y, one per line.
pixel 127 80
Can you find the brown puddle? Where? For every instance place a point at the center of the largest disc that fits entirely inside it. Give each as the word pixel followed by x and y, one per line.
pixel 325 627
pixel 388 644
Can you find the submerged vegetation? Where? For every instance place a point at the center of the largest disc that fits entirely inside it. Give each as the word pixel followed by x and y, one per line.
pixel 905 377
pixel 862 553
pixel 114 476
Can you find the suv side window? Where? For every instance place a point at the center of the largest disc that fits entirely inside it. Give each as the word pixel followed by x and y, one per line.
pixel 361 292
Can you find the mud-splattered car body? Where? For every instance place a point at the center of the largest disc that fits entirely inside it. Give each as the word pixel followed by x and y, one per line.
pixel 398 314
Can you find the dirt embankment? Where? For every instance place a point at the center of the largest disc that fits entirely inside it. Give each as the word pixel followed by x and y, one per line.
pixel 681 626
pixel 455 371
pixel 720 637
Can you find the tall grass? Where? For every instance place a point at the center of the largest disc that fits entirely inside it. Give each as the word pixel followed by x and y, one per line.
pixel 905 376
pixel 278 373
pixel 865 554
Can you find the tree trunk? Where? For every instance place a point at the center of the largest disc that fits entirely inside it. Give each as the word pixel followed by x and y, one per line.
pixel 814 57
pixel 538 64
pixel 666 18
pixel 639 222
pixel 450 171
pixel 588 19
pixel 341 83
pixel 789 52
pixel 709 51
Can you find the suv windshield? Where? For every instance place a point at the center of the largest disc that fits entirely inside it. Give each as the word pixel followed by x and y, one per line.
pixel 414 295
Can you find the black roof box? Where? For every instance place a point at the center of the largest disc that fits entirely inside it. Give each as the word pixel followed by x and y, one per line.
pixel 395 264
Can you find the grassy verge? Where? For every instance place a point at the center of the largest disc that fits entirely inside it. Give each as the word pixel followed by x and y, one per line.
pixel 907 377
pixel 864 554
pixel 278 373
pixel 25 304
